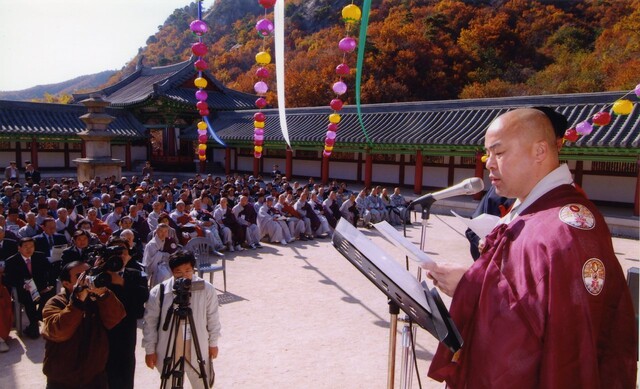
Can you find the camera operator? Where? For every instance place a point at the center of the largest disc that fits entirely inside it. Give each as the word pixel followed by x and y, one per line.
pixel 130 287
pixel 75 328
pixel 204 305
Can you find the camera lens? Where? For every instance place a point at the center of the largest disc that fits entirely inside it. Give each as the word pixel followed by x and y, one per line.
pixel 99 280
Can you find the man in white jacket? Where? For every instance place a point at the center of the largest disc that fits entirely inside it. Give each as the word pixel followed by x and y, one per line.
pixel 204 306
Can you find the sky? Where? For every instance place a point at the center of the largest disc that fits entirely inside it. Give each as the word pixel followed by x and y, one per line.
pixel 50 41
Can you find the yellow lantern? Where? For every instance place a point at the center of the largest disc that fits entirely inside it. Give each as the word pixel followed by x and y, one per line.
pixel 484 158
pixel 334 118
pixel 257 149
pixel 351 13
pixel 263 58
pixel 202 157
pixel 202 125
pixel 257 124
pixel 328 148
pixel 622 107
pixel 200 82
pixel 202 146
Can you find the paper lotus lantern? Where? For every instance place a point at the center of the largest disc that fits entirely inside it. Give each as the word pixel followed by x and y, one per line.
pixel 259 117
pixel 198 27
pixel 351 13
pixel 202 138
pixel 199 49
pixel 202 146
pixel 601 118
pixel 267 3
pixel 622 107
pixel 200 65
pixel 347 44
pixel 637 90
pixel 571 135
pixel 257 124
pixel 584 128
pixel 332 127
pixel 262 72
pixel 202 105
pixel 257 149
pixel 342 69
pixel 330 141
pixel 263 58
pixel 261 102
pixel 258 131
pixel 261 87
pixel 202 126
pixel 257 155
pixel 201 95
pixel 204 112
pixel 331 135
pixel 336 104
pixel 264 27
pixel 200 82
pixel 339 88
pixel 202 157
pixel 334 118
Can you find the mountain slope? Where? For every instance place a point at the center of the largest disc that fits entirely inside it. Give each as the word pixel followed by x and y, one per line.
pixel 78 84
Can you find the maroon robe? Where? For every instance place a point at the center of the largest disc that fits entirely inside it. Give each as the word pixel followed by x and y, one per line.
pixel 526 316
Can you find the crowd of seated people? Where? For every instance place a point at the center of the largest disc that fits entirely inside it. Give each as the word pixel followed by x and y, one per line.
pixel 233 213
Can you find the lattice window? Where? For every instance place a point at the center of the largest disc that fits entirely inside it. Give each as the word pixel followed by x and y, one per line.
pixel 156 139
pixel 383 157
pixel 75 146
pixel 468 161
pixel 426 159
pixel 622 168
pixel 306 154
pixel 244 151
pixel 5 145
pixel 48 146
pixel 276 152
pixel 343 156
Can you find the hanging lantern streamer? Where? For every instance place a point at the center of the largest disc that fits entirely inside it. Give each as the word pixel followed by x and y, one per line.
pixel 351 15
pixel 620 107
pixel 366 7
pixel 278 17
pixel 264 27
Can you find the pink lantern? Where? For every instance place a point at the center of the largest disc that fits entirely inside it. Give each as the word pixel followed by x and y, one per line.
pixel 258 131
pixel 264 27
pixel 347 44
pixel 332 127
pixel 330 142
pixel 201 65
pixel 202 152
pixel 331 135
pixel 201 95
pixel 262 72
pixel 601 118
pixel 258 142
pixel 202 138
pixel 342 69
pixel 258 137
pixel 637 90
pixel 199 27
pixel 261 87
pixel 259 117
pixel 202 132
pixel 202 105
pixel 339 88
pixel 326 154
pixel 584 128
pixel 257 155
pixel 336 104
pixel 199 49
pixel 261 102
pixel 204 112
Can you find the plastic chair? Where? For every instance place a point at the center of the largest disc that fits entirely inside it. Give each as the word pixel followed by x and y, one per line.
pixel 206 261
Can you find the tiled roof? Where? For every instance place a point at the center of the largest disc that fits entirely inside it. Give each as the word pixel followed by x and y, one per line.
pixel 166 81
pixel 25 118
pixel 438 123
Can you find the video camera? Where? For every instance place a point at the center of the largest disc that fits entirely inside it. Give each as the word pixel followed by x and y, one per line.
pixel 111 261
pixel 182 288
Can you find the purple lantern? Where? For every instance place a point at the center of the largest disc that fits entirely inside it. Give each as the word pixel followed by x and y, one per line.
pixel 258 137
pixel 339 88
pixel 258 131
pixel 264 27
pixel 261 87
pixel 331 135
pixel 347 44
pixel 199 27
pixel 262 72
pixel 201 95
pixel 637 90
pixel 326 153
pixel 584 128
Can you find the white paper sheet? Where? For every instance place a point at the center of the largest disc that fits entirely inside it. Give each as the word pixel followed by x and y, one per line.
pixel 481 225
pixel 410 249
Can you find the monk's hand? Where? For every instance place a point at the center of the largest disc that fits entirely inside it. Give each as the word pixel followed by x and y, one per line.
pixel 446 276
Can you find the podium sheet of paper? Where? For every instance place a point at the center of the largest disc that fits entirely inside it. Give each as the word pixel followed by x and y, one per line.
pixel 410 249
pixel 481 225
pixel 384 262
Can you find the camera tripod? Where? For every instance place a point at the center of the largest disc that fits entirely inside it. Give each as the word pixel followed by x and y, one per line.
pixel 173 366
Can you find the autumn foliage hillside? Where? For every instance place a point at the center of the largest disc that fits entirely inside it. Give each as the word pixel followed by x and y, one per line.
pixel 422 49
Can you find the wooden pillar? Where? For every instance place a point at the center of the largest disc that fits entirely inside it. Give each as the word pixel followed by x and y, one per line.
pixel 34 152
pixel 479 172
pixel 171 141
pixel 359 169
pixel 578 173
pixel 325 170
pixel 202 166
pixel 83 150
pixel 417 181
pixel 401 172
pixel 66 155
pixel 451 170
pixel 127 156
pixel 636 202
pixel 256 166
pixel 368 170
pixel 288 169
pixel 18 158
pixel 227 161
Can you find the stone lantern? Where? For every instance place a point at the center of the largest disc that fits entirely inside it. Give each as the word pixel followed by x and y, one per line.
pixel 97 141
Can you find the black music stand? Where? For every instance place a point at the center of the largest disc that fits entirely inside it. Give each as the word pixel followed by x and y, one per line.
pixel 424 306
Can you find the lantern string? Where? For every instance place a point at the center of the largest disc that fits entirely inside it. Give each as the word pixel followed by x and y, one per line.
pixel 279 43
pixel 366 7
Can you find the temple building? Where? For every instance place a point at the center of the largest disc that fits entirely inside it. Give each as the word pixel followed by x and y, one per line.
pixel 421 145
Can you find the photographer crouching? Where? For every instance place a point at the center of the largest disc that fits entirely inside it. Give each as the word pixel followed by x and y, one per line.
pixel 75 329
pixel 194 295
pixel 129 283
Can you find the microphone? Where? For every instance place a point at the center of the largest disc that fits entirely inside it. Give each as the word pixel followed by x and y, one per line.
pixel 469 186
